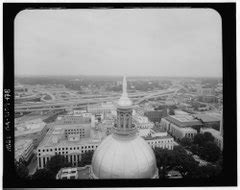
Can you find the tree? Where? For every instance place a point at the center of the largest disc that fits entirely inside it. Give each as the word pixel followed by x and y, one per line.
pixel 194 148
pixel 207 171
pixel 176 159
pixel 208 137
pixel 199 139
pixel 21 169
pixel 210 152
pixel 86 159
pixel 165 161
pixel 186 142
pixel 56 163
pixel 43 174
pixel 185 163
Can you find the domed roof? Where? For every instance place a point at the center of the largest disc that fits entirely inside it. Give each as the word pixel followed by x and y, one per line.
pixel 124 157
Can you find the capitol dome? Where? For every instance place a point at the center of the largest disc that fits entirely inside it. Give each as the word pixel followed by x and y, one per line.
pixel 124 154
pixel 124 158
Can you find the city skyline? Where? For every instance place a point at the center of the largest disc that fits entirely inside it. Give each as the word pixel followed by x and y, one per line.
pixel 186 43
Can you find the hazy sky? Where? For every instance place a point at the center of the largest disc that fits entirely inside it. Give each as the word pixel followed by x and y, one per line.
pixel 159 42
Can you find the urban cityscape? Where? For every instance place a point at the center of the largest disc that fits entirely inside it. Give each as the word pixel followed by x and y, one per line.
pixel 118 94
pixel 61 122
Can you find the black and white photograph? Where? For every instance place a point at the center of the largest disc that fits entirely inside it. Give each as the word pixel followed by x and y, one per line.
pixel 107 92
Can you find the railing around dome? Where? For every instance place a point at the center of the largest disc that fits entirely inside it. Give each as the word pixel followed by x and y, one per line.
pixel 124 131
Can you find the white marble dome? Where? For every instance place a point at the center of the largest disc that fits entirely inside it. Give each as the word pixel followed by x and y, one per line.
pixel 124 157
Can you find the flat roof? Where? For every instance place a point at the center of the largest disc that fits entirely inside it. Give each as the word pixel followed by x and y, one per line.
pixel 183 120
pixel 157 137
pixel 57 134
pixel 28 129
pixel 207 118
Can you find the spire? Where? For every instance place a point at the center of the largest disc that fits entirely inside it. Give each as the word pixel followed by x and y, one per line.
pixel 124 86
pixel 124 100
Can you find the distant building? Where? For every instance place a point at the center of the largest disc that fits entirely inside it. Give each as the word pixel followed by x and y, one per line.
pixel 72 119
pixel 180 126
pixel 34 130
pixel 156 116
pixel 23 149
pixel 208 99
pixel 205 91
pixel 206 94
pixel 101 108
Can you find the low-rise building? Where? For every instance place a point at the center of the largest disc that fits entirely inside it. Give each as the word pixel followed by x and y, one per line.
pixel 157 137
pixel 23 149
pixel 160 141
pixel 68 140
pixel 142 122
pixel 180 126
